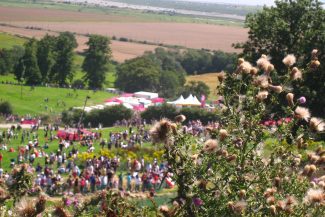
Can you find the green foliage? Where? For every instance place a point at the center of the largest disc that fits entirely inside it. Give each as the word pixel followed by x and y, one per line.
pixel 96 61
pixel 107 116
pixel 170 111
pixel 291 27
pixel 196 88
pixel 62 70
pixel 45 56
pixel 199 114
pixel 27 67
pixel 138 74
pixel 5 108
pixel 8 59
pixel 78 84
pixel 201 61
pixel 229 174
pixel 159 112
pixel 22 181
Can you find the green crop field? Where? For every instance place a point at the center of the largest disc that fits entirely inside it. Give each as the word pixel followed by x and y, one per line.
pixel 8 41
pixel 31 101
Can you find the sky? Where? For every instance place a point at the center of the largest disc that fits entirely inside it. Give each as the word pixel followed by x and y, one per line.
pixel 242 2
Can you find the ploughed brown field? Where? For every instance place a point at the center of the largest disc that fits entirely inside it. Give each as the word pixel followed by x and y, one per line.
pixel 213 37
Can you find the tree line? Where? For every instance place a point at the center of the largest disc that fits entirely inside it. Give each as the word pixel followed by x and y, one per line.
pixel 50 60
pixel 164 71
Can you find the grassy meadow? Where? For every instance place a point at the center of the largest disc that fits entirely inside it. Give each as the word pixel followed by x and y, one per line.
pixel 26 100
pixel 7 41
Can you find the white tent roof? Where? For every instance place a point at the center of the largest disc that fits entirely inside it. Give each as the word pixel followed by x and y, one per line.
pixel 180 100
pixel 190 100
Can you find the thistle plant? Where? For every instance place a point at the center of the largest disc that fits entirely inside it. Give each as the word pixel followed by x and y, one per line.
pixel 230 173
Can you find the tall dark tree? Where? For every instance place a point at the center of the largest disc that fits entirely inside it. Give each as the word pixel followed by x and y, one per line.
pixel 27 67
pixel 96 62
pixel 62 70
pixel 45 55
pixel 8 59
pixel 291 27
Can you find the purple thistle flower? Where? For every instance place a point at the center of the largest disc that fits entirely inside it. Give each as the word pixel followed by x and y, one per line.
pixel 197 201
pixel 302 100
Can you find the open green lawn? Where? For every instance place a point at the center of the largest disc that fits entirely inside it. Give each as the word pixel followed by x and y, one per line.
pixel 32 101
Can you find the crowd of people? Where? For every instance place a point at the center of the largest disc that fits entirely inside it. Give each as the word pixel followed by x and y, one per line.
pixel 58 167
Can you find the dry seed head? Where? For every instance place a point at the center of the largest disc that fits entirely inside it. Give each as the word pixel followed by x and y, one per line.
pixel 313 168
pixel 314 52
pixel 289 60
pixel 245 67
pixel 239 207
pixel 254 71
pixel 161 130
pixel 242 194
pixel 270 200
pixel 221 76
pixel 262 81
pixel 295 74
pixel 317 124
pixel 314 196
pixel 263 63
pixel 290 97
pixel 270 68
pixel 314 64
pixel 273 209
pixel 277 89
pixel 306 169
pixel 262 95
pixel 210 146
pixel 240 61
pixel 224 153
pixel 180 118
pixel 223 134
pixel 302 113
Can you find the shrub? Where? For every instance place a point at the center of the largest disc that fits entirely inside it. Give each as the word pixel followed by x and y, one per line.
pixel 170 111
pixel 5 108
pixel 78 84
pixel 107 116
pixel 159 112
pixel 231 174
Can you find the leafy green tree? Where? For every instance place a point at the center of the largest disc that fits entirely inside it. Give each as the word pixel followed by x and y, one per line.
pixel 62 69
pixel 27 67
pixel 169 84
pixel 197 88
pixel 45 55
pixel 96 62
pixel 196 61
pixel 8 59
pixel 291 26
pixel 138 74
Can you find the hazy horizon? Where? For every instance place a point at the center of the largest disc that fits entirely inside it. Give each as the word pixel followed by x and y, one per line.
pixel 239 2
